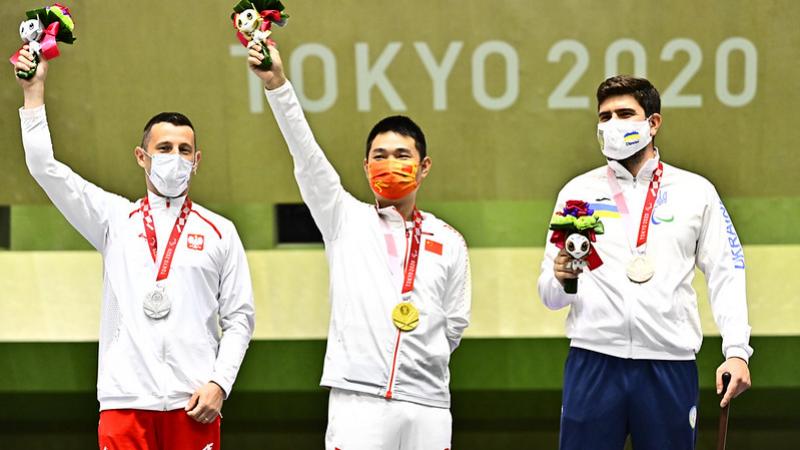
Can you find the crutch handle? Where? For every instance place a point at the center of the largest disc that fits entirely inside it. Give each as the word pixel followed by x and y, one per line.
pixel 723 415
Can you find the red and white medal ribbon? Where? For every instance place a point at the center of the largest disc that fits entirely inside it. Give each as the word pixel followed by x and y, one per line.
pixel 410 271
pixel 639 243
pixel 156 303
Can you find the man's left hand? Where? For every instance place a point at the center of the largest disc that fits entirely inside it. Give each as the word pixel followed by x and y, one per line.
pixel 206 403
pixel 740 379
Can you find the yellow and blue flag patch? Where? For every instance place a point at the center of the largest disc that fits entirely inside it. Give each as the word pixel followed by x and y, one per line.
pixel 605 211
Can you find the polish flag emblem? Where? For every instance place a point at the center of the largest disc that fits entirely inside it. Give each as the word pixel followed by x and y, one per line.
pixel 195 241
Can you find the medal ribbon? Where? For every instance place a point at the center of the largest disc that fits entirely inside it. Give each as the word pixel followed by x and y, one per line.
pixel 647 211
pixel 177 230
pixel 410 270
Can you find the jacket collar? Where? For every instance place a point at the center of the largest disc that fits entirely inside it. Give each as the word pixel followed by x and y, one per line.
pixel 158 202
pixel 645 173
pixel 391 214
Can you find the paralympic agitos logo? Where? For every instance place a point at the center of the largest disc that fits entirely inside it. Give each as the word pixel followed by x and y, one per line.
pixel 661 215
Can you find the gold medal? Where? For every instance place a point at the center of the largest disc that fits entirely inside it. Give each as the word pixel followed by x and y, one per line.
pixel 405 316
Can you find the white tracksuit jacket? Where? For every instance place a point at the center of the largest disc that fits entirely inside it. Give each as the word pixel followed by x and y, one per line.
pixel 143 363
pixel 658 319
pixel 365 352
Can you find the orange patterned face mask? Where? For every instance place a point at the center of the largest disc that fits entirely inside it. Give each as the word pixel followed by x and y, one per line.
pixel 393 178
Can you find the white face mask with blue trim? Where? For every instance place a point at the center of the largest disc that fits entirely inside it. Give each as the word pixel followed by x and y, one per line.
pixel 620 139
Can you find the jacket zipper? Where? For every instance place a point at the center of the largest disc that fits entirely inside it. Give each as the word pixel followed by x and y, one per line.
pixel 390 386
pixel 394 365
pixel 628 304
pixel 630 327
pixel 163 361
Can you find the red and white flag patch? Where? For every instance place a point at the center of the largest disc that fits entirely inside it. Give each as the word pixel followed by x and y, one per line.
pixel 195 241
pixel 433 246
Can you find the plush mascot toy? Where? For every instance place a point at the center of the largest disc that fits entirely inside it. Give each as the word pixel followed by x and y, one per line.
pixel 574 229
pixel 42 30
pixel 253 21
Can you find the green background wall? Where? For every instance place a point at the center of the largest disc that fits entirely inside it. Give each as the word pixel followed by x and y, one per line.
pixel 499 127
pixel 512 141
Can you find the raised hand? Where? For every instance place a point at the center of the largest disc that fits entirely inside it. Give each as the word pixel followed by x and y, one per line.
pixel 273 77
pixel 33 89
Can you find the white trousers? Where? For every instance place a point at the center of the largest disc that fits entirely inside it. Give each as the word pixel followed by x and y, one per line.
pixel 359 421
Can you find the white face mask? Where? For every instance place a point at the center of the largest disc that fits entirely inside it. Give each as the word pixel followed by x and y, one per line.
pixel 620 139
pixel 170 173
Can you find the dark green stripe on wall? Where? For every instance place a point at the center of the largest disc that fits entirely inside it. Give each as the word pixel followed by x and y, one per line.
pixel 295 366
pixel 506 394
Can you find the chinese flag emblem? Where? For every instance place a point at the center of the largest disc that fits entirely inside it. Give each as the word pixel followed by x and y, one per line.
pixel 433 246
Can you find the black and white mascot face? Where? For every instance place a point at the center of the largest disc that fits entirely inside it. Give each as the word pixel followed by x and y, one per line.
pixel 31 30
pixel 247 21
pixel 577 245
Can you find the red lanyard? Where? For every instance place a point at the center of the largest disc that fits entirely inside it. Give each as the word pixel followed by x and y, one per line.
pixel 177 230
pixel 649 202
pixel 413 256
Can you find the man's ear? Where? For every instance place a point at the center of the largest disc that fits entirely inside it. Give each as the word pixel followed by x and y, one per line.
pixel 197 156
pixel 655 123
pixel 425 167
pixel 366 167
pixel 141 157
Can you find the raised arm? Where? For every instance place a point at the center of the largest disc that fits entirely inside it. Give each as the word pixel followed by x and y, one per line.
pixel 84 205
pixel 319 183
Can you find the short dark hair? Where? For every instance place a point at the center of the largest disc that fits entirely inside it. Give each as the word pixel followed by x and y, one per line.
pixel 175 118
pixel 641 89
pixel 403 126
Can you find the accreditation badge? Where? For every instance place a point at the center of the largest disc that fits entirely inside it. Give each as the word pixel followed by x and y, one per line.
pixel 156 303
pixel 641 269
pixel 405 316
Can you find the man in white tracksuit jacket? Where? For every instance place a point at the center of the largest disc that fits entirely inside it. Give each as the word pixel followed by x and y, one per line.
pixel 392 329
pixel 174 275
pixel 633 324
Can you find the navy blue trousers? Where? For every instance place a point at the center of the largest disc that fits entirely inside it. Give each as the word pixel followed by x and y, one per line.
pixel 607 398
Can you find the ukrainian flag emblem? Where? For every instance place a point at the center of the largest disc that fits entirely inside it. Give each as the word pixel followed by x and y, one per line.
pixel 632 138
pixel 605 211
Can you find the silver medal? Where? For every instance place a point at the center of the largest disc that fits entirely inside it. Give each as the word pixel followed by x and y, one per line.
pixel 641 269
pixel 157 303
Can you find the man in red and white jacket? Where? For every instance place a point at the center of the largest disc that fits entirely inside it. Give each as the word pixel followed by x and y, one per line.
pixel 174 275
pixel 399 284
